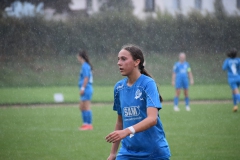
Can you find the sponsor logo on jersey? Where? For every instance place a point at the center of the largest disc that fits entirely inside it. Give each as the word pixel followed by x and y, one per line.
pixel 132 111
pixel 138 94
pixel 183 71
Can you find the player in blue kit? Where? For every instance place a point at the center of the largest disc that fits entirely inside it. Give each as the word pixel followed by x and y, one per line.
pixel 137 102
pixel 86 90
pixel 180 75
pixel 232 66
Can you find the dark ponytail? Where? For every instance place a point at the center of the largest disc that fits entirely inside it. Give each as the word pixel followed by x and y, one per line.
pixel 83 54
pixel 136 53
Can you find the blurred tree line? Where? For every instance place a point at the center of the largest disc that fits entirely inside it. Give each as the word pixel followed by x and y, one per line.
pixel 108 30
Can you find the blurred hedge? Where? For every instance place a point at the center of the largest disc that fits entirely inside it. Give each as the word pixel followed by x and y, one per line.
pixel 107 32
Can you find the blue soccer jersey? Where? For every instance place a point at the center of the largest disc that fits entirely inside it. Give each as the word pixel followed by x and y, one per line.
pixel 232 66
pixel 86 71
pixel 132 103
pixel 181 70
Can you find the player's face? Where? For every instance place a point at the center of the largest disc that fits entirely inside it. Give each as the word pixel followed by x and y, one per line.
pixel 80 59
pixel 182 57
pixel 126 63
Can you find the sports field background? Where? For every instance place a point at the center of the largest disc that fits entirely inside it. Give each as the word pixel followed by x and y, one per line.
pixel 103 94
pixel 37 60
pixel 36 81
pixel 53 70
pixel 33 126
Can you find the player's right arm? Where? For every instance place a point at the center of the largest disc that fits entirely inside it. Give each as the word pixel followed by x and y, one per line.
pixel 114 149
pixel 174 74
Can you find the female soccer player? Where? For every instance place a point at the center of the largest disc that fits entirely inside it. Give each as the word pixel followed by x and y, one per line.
pixel 232 66
pixel 180 75
pixel 137 102
pixel 86 90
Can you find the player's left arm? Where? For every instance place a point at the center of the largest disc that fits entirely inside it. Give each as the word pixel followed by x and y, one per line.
pixel 85 82
pixel 190 75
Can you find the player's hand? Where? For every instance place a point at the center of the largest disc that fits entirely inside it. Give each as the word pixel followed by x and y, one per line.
pixel 117 135
pixel 191 81
pixel 112 157
pixel 173 83
pixel 81 92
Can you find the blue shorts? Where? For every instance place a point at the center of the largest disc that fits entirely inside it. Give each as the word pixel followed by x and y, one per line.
pixel 161 154
pixel 234 83
pixel 87 96
pixel 181 83
pixel 126 158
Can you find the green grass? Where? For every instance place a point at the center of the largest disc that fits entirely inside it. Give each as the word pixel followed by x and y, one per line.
pixel 45 94
pixel 209 131
pixel 52 70
pixel 28 95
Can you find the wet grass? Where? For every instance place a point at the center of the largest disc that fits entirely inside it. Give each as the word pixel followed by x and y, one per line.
pixel 32 95
pixel 209 131
pixel 64 70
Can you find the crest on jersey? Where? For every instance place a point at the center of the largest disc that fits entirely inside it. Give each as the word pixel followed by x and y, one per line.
pixel 138 94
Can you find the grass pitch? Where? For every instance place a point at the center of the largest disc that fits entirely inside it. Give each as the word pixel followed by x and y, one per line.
pixel 208 131
pixel 51 70
pixel 30 95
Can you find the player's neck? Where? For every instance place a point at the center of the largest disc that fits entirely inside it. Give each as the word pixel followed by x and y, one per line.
pixel 132 78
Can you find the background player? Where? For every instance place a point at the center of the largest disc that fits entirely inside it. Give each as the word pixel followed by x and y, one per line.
pixel 180 75
pixel 137 102
pixel 232 66
pixel 86 90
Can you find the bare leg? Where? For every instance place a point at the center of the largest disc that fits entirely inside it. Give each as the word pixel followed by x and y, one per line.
pixel 237 97
pixel 186 92
pixel 85 105
pixel 176 99
pixel 236 91
pixel 186 99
